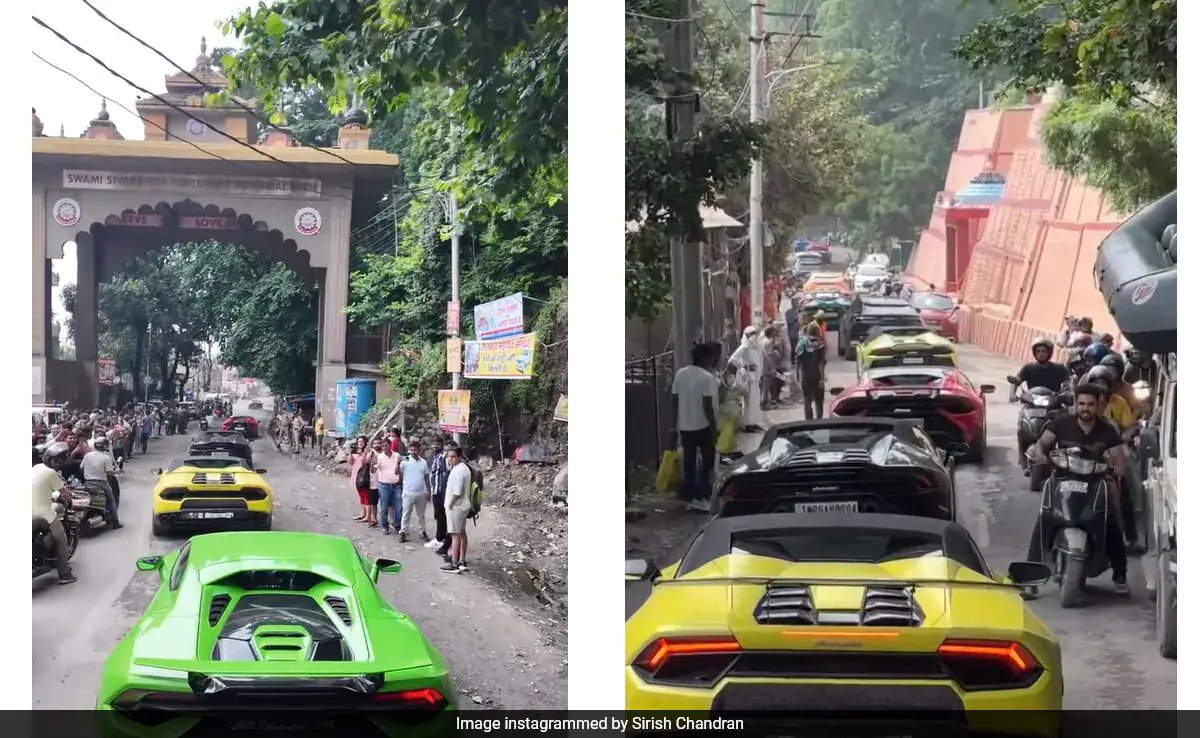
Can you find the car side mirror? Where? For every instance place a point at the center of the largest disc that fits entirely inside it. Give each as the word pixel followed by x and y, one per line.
pixel 388 566
pixel 149 563
pixel 156 472
pixel 835 391
pixel 640 570
pixel 1028 573
pixel 987 389
pixel 260 471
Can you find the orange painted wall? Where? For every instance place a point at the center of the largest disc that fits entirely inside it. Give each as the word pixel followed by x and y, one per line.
pixel 1033 263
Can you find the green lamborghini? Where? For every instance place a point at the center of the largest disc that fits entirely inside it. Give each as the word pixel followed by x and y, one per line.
pixel 904 345
pixel 252 622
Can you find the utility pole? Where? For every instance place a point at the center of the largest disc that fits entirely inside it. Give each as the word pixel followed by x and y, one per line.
pixel 456 377
pixel 757 39
pixel 686 317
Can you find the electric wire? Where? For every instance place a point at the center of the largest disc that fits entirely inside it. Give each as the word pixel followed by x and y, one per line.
pixel 257 116
pixel 144 91
pixel 126 108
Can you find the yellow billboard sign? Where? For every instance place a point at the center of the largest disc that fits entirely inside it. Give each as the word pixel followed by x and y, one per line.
pixel 505 358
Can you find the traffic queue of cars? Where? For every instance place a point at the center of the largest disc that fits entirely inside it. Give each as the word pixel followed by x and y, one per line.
pixel 834 574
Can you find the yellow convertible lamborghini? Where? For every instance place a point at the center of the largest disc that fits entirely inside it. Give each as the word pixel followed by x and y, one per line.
pixel 202 491
pixel 817 612
pixel 905 345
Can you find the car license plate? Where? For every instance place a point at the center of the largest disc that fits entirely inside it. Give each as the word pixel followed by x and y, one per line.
pixel 830 457
pixel 211 516
pixel 827 507
pixel 1037 412
pixel 239 427
pixel 912 360
pixel 1072 485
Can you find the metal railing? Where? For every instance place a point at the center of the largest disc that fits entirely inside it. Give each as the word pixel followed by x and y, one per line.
pixel 647 411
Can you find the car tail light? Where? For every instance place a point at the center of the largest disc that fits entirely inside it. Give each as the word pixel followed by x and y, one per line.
pixel 414 699
pixel 851 406
pixel 989 664
pixel 695 660
pixel 956 406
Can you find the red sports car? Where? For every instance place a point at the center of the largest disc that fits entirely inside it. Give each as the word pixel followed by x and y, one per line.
pixel 938 310
pixel 244 424
pixel 953 409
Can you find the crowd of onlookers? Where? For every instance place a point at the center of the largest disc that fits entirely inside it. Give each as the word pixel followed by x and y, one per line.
pixel 395 482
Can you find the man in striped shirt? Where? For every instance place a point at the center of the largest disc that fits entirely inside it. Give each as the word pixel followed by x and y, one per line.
pixel 438 473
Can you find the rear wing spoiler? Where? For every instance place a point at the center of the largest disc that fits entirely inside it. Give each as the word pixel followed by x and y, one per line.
pixel 266 670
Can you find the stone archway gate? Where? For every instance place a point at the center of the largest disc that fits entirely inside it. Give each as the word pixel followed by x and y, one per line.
pixel 118 199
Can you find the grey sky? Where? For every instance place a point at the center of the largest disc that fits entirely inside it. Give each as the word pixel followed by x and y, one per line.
pixel 61 101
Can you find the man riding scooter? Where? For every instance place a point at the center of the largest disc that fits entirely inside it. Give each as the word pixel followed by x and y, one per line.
pixel 99 474
pixel 1041 372
pixel 1087 429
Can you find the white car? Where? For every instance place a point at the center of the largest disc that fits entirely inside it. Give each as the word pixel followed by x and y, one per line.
pixel 867 276
pixel 879 260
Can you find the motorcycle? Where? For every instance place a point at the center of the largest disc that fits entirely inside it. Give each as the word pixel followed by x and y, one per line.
pixel 1039 407
pixel 90 506
pixel 1073 522
pixel 44 560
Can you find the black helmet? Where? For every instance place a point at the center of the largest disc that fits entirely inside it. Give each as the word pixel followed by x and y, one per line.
pixel 1102 375
pixel 1042 342
pixel 1116 361
pixel 55 454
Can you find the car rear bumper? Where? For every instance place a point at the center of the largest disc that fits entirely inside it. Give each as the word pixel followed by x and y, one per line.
pixel 857 701
pixel 872 362
pixel 197 518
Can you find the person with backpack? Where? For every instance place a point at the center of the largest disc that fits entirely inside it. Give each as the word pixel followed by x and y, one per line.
pixel 459 508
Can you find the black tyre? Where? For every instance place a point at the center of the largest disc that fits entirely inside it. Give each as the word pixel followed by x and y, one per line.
pixel 1165 607
pixel 1070 585
pixel 849 353
pixel 976 451
pixel 72 543
pixel 159 528
pixel 1037 477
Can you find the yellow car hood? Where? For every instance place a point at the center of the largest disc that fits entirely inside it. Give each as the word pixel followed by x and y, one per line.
pixel 720 598
pixel 188 476
pixel 927 340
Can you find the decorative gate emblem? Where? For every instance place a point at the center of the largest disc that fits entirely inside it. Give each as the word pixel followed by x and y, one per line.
pixel 66 212
pixel 308 222
pixel 196 127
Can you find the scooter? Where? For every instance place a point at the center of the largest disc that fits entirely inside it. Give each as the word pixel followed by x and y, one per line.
pixel 44 560
pixel 1039 407
pixel 1073 522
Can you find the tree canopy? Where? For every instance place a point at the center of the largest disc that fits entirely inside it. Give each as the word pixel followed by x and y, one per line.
pixel 471 97
pixel 1116 123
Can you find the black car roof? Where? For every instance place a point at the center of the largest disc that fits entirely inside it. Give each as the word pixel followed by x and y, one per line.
pixel 713 540
pixel 905 310
pixel 211 436
pixel 206 460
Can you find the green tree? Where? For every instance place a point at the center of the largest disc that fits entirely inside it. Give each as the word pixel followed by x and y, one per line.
pixel 272 334
pixel 901 54
pixel 667 178
pixel 1116 59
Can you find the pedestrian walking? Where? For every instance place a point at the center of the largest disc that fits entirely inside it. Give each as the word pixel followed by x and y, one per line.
pixel 319 431
pixel 810 370
pixel 373 496
pixel 387 465
pixel 458 509
pixel 298 430
pixel 438 472
pixel 144 437
pixel 414 472
pixel 747 362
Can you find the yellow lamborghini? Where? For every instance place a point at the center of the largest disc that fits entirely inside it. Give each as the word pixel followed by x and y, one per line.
pixel 201 491
pixel 842 612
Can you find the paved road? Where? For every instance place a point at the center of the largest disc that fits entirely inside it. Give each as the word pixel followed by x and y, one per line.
pixel 1110 657
pixel 497 650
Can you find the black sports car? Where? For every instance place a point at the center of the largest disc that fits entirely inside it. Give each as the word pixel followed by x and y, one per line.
pixel 222 443
pixel 843 465
pixel 867 311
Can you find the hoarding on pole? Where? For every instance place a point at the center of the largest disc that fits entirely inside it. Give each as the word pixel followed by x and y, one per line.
pixel 454 410
pixel 507 358
pixel 454 348
pixel 500 318
pixel 453 318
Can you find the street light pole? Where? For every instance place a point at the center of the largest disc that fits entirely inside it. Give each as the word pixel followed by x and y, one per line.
pixel 757 38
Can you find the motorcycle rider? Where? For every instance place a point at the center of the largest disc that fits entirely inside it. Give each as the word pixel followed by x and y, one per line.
pixel 1078 333
pixel 97 467
pixel 1120 386
pixel 1087 429
pixel 46 482
pixel 1041 372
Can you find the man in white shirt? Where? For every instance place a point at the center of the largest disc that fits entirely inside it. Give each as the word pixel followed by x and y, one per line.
pixel 46 481
pixel 97 465
pixel 414 481
pixel 694 395
pixel 458 509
